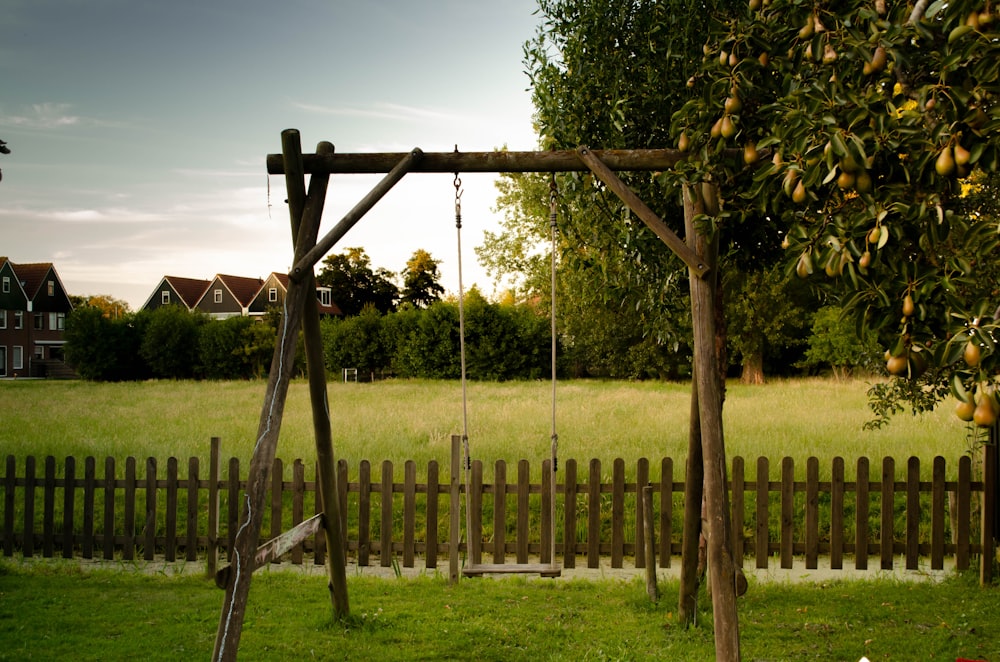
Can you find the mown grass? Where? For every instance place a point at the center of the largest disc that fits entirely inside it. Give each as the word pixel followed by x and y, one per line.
pixel 403 419
pixel 52 611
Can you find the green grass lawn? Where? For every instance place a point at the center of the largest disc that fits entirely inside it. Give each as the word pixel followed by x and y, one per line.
pixel 56 611
pixel 402 419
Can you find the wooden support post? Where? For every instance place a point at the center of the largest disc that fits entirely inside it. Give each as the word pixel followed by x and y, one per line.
pixel 301 208
pixel 694 478
pixel 248 527
pixel 722 571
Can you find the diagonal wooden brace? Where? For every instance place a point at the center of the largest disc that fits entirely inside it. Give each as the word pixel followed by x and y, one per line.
pixel 277 547
pixel 639 208
pixel 305 265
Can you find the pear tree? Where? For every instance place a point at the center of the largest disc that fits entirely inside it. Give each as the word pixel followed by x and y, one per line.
pixel 855 129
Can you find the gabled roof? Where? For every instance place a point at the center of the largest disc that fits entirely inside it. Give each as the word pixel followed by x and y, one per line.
pixel 188 289
pixel 31 276
pixel 242 288
pixel 332 309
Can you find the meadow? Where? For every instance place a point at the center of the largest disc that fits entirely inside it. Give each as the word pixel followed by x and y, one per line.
pixel 399 420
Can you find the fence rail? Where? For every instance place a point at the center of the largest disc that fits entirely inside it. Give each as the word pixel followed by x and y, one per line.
pixel 886 514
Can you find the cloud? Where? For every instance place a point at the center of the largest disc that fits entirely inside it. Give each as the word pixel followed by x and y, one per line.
pixel 379 110
pixel 44 116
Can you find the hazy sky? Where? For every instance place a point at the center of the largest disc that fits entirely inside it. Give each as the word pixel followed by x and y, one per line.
pixel 139 128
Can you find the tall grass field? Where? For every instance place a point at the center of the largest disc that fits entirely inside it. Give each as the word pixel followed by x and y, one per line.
pixel 400 420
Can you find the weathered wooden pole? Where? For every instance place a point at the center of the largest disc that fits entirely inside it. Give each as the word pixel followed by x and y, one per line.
pixel 721 568
pixel 694 477
pixel 238 578
pixel 299 206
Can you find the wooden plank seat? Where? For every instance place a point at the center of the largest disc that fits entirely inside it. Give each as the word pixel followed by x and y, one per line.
pixel 542 569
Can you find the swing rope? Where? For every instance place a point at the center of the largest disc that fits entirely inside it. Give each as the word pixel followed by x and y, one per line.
pixel 550 569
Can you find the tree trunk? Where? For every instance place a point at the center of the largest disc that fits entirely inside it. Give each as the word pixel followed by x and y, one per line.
pixel 753 369
pixel 721 567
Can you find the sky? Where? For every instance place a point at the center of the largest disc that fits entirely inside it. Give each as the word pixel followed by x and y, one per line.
pixel 139 129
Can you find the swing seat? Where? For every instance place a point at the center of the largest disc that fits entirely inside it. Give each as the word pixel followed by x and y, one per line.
pixel 541 569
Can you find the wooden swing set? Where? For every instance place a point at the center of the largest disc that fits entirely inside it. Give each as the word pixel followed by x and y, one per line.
pixel 300 312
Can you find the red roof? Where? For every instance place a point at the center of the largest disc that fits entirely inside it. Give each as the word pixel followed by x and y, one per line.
pixel 243 288
pixel 188 289
pixel 31 276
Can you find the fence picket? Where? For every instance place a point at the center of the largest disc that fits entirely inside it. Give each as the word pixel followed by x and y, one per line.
pixel 385 518
pixel 594 515
pixel 570 492
pixel 500 512
pixel 617 513
pixel 762 531
pixel 9 482
pixel 69 492
pixel 89 487
pixel 861 488
pixel 523 511
pixel 641 481
pixel 812 513
pixel 191 526
pixel 431 526
pixel 170 524
pixel 937 513
pixel 888 499
pixel 787 510
pixel 364 513
pixel 49 507
pixel 409 511
pixel 912 513
pixel 738 504
pixel 837 514
pixel 108 539
pixel 964 512
pixel 28 539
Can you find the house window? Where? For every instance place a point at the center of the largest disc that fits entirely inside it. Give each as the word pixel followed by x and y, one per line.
pixel 40 352
pixel 324 296
pixel 272 294
pixel 6 284
pixel 218 296
pixel 57 321
pixel 39 321
pixel 165 297
pixel 52 288
pixel 3 319
pixel 3 361
pixel 18 357
pixel 18 319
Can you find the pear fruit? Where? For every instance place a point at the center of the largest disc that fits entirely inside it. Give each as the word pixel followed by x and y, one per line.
pixel 897 365
pixel 874 234
pixel 878 60
pixel 908 306
pixel 985 414
pixel 962 155
pixel 799 194
pixel 945 163
pixel 965 410
pixel 750 155
pixel 733 105
pixel 866 259
pixel 728 127
pixel 846 180
pixel 863 182
pixel 807 29
pixel 716 130
pixel 805 265
pixel 972 354
pixel 683 143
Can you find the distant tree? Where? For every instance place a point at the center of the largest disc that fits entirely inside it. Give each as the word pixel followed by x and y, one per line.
pixel 834 342
pixel 100 348
pixel 353 283
pixel 421 280
pixel 170 342
pixel 110 306
pixel 3 150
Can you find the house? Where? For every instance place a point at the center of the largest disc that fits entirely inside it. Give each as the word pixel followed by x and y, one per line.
pixel 174 290
pixel 33 309
pixel 272 295
pixel 231 296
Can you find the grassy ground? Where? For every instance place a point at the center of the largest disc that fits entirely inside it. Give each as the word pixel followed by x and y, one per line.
pixel 51 611
pixel 400 420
